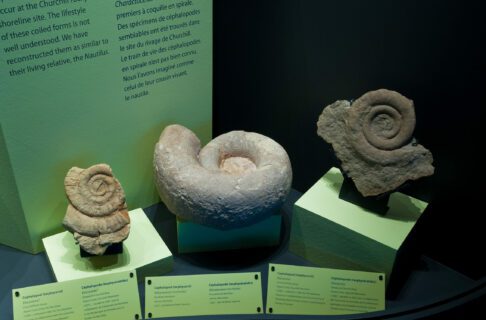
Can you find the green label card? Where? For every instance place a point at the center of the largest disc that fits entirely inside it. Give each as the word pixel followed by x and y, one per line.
pixel 319 291
pixel 208 294
pixel 114 296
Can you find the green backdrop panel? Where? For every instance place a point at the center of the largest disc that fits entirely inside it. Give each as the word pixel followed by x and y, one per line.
pixel 85 82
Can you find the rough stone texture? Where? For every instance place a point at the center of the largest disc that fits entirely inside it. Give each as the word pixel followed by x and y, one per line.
pixel 373 139
pixel 97 213
pixel 236 165
pixel 218 186
pixel 94 226
pixel 94 190
pixel 98 245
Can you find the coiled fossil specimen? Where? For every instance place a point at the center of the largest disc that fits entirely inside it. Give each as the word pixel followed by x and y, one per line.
pixel 237 179
pixel 373 139
pixel 97 213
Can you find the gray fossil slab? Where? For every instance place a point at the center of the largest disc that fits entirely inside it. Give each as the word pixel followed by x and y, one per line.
pixel 373 139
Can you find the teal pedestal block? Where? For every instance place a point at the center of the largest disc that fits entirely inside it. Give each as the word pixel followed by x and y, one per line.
pixel 193 237
pixel 331 232
pixel 143 251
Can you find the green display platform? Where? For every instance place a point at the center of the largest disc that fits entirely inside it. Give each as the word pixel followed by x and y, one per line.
pixel 193 237
pixel 334 233
pixel 144 251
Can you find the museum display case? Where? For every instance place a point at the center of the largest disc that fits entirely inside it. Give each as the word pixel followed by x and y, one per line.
pixel 235 144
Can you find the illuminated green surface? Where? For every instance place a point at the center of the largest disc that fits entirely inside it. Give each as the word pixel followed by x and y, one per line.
pixel 319 291
pixel 193 237
pixel 76 115
pixel 112 296
pixel 143 251
pixel 13 229
pixel 208 294
pixel 331 232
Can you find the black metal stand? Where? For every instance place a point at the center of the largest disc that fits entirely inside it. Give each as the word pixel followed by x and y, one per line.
pixel 116 248
pixel 376 204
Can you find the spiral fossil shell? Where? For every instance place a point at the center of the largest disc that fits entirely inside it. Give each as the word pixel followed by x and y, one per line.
pixel 97 213
pixel 379 124
pixel 94 191
pixel 373 138
pixel 237 179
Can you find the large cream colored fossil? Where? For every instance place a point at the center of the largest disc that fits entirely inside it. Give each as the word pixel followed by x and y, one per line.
pixel 237 179
pixel 97 213
pixel 373 139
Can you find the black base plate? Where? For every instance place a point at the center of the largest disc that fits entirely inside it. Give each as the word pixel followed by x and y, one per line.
pixel 116 248
pixel 349 193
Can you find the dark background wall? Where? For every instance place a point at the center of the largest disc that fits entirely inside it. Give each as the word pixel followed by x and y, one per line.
pixel 279 63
